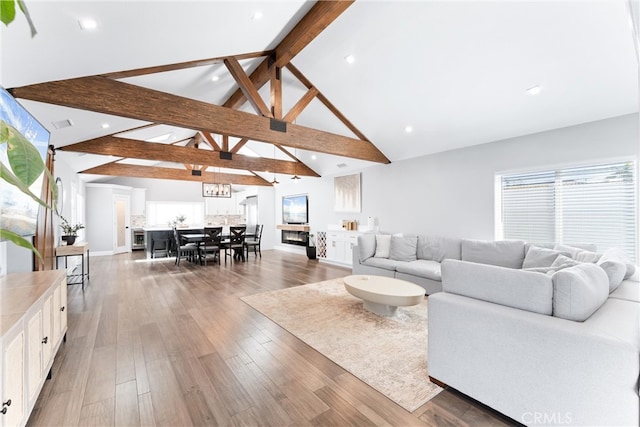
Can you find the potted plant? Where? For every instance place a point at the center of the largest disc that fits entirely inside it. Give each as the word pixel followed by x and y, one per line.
pixel 70 232
pixel 178 222
pixel 311 246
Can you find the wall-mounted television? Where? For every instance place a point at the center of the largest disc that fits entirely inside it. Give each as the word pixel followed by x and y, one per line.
pixel 295 209
pixel 20 212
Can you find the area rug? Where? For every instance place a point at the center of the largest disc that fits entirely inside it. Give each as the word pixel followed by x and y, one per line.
pixel 388 353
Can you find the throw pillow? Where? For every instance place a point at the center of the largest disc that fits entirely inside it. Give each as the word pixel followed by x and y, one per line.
pixel 588 256
pixel 403 248
pixel 579 291
pixel 620 255
pixel 615 272
pixel 383 245
pixel 564 261
pixel 366 246
pixel 571 250
pixel 540 257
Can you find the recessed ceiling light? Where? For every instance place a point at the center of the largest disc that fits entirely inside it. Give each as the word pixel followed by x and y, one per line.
pixel 256 16
pixel 408 129
pixel 350 59
pixel 313 157
pixel 105 126
pixel 535 90
pixel 88 24
pixel 215 78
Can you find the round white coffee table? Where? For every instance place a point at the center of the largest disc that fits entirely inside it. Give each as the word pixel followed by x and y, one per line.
pixel 382 295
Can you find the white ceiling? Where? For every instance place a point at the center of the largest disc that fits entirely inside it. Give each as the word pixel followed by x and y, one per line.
pixel 456 71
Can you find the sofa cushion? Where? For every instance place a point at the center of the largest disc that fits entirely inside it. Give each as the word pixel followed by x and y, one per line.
pixel 366 246
pixel 506 286
pixel 503 253
pixel 403 248
pixel 563 261
pixel 383 245
pixel 615 272
pixel 384 263
pixel 579 291
pixel 438 248
pixel 421 268
pixel 588 256
pixel 540 257
pixel 619 255
pixel 628 290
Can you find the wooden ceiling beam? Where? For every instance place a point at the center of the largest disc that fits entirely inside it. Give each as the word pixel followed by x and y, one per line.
pixel 134 149
pixel 135 171
pixel 301 77
pixel 276 92
pixel 319 17
pixel 301 105
pixel 109 96
pixel 210 140
pixel 225 143
pixel 247 87
pixel 239 145
pixel 181 65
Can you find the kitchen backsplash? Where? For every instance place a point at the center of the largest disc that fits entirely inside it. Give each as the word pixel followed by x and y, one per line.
pixel 138 221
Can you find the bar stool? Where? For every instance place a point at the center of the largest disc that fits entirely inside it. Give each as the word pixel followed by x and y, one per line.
pixel 160 246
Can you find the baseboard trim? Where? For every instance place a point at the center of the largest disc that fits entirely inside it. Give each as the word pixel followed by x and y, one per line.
pixel 100 253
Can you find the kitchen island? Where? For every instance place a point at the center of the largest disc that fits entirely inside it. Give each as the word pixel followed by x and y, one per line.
pixel 158 234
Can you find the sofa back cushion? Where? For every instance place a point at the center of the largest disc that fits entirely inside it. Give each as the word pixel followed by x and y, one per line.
pixel 579 291
pixel 403 248
pixel 540 257
pixel 503 253
pixel 615 270
pixel 366 246
pixel 383 245
pixel 505 286
pixel 437 248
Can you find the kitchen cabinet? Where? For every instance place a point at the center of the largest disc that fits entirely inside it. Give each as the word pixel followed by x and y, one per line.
pixel 340 246
pixel 138 201
pixel 13 391
pixel 33 324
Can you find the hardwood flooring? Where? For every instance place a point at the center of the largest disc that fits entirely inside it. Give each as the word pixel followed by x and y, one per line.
pixel 153 344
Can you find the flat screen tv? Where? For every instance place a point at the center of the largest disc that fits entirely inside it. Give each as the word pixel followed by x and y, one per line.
pixel 295 209
pixel 18 211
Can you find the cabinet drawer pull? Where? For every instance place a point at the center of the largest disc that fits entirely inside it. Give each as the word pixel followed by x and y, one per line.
pixel 4 407
pixel 4 410
pixel 62 308
pixel 44 340
pixel 7 403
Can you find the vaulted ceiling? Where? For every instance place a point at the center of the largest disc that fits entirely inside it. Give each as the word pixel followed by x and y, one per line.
pixel 178 83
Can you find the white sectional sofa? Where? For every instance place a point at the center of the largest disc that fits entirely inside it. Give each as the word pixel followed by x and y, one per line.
pixel 545 336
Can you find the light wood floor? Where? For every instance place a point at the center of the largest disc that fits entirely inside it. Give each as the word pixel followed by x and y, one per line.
pixel 150 343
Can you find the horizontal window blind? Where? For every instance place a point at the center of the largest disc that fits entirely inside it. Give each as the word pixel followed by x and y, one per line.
pixel 593 204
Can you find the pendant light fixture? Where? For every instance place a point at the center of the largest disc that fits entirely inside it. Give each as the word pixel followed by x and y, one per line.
pixel 295 177
pixel 275 181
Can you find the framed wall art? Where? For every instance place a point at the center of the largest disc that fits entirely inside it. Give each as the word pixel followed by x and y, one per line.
pixel 346 193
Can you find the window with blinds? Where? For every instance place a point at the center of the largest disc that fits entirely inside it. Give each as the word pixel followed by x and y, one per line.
pixel 594 204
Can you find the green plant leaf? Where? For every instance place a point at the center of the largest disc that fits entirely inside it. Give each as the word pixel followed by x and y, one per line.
pixel 7 11
pixel 24 158
pixel 19 241
pixel 6 174
pixel 23 8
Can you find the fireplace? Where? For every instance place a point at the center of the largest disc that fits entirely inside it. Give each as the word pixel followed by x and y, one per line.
pixel 298 238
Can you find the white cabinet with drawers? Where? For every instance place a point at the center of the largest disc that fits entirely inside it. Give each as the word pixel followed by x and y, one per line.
pixel 33 325
pixel 340 246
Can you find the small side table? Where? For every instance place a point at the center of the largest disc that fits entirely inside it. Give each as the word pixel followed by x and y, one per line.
pixel 79 249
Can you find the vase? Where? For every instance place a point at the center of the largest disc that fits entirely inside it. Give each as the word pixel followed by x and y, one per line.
pixel 69 239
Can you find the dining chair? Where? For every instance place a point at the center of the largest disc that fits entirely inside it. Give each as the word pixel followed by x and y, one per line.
pixel 235 245
pixel 183 251
pixel 211 244
pixel 254 242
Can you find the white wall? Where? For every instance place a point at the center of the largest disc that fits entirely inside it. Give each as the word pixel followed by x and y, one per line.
pixel 452 193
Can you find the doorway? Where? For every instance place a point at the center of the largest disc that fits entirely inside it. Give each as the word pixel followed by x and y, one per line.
pixel 121 218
